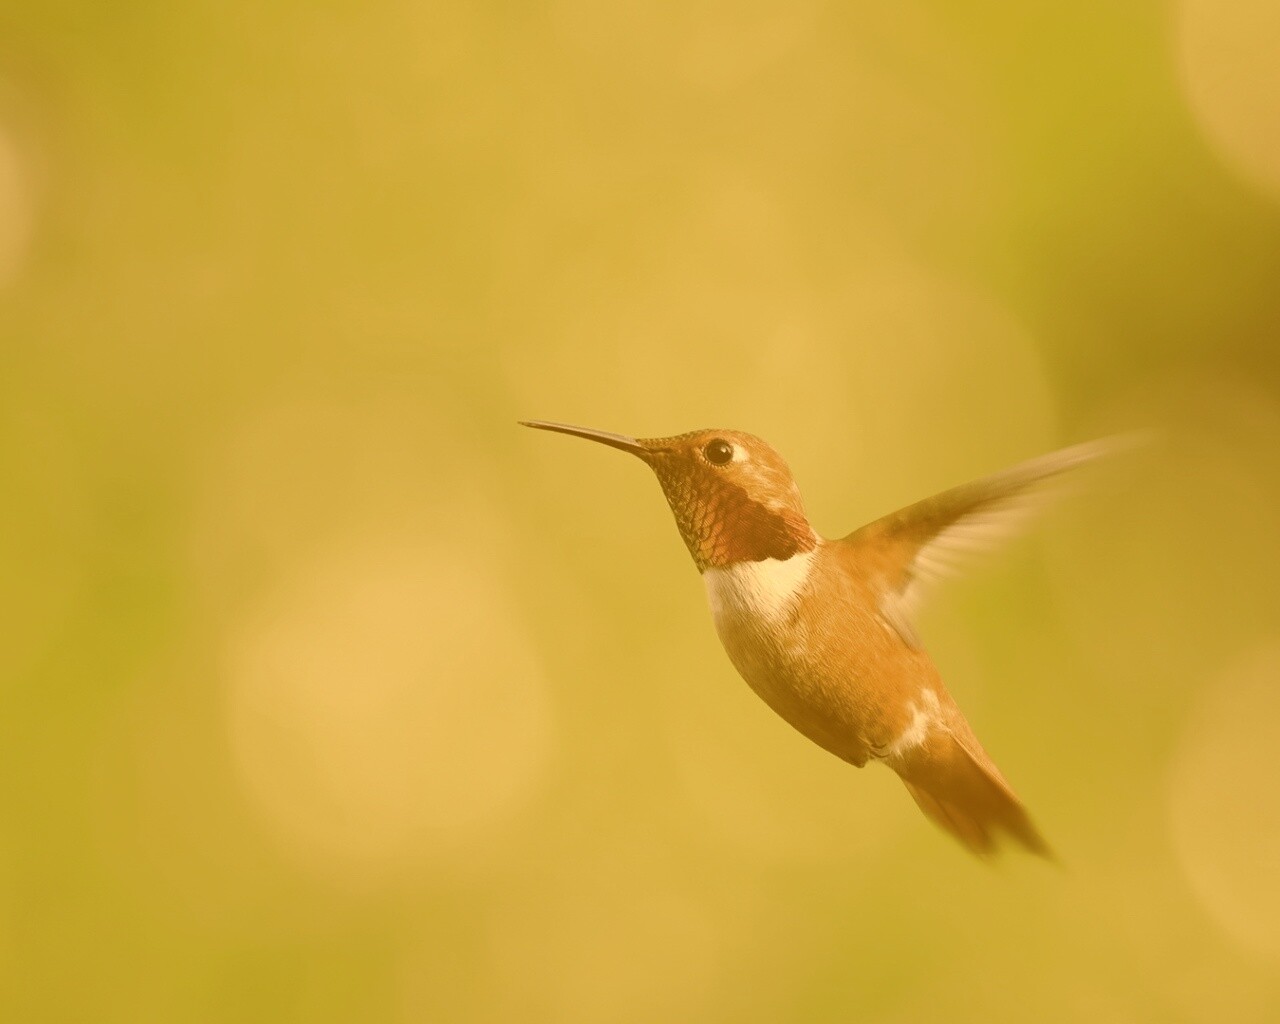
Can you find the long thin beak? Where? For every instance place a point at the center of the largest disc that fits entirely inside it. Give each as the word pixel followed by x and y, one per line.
pixel 626 444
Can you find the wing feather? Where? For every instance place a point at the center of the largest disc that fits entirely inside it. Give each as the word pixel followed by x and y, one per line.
pixel 938 537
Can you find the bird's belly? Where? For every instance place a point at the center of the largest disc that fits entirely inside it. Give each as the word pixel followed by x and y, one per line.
pixel 776 651
pixel 825 709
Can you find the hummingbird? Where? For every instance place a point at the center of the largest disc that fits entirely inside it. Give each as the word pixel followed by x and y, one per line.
pixel 824 630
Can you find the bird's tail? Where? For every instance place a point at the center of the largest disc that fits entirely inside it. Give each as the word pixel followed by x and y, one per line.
pixel 958 787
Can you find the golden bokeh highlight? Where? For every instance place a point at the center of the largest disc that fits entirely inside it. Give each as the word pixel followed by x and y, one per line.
pixel 16 206
pixel 1227 53
pixel 386 709
pixel 1224 816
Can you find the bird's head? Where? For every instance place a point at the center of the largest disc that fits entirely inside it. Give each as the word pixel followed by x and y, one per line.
pixel 733 497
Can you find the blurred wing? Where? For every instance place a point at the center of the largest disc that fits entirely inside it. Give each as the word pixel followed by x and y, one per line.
pixel 936 538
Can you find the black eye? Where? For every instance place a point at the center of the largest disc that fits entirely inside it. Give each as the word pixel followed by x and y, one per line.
pixel 718 452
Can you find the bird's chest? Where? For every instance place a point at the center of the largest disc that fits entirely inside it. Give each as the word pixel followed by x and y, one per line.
pixel 795 636
pixel 758 610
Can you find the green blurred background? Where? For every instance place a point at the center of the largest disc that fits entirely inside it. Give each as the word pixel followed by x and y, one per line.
pixel 332 695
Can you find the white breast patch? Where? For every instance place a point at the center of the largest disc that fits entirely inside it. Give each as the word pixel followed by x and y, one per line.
pixel 764 590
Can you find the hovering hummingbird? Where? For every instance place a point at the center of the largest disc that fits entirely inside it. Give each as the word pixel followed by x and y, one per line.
pixel 823 630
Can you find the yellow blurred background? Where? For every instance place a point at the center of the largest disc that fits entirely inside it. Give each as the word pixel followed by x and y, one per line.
pixel 332 695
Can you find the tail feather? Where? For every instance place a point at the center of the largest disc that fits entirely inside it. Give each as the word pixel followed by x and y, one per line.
pixel 961 791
